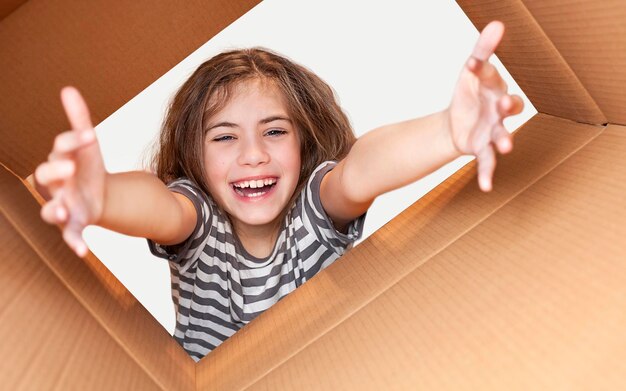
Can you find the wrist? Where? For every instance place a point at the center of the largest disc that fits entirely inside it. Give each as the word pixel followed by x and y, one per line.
pixel 447 138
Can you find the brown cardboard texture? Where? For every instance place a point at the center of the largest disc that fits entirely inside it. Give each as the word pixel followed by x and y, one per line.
pixel 520 288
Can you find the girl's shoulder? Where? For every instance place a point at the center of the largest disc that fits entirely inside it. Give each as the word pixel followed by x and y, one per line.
pixel 315 219
pixel 315 179
pixel 204 203
pixel 187 185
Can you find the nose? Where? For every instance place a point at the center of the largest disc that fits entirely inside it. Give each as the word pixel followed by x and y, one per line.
pixel 253 152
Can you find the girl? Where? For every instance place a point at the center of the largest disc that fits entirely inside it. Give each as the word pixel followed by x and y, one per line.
pixel 266 182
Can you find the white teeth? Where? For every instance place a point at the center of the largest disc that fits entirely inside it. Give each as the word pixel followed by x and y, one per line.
pixel 255 184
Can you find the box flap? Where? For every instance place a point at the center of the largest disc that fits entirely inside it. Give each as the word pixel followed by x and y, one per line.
pixel 401 246
pixel 590 35
pixel 109 50
pixel 95 288
pixel 49 341
pixel 534 62
pixel 531 298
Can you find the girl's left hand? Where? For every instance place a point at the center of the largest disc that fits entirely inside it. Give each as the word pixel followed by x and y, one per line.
pixel 479 105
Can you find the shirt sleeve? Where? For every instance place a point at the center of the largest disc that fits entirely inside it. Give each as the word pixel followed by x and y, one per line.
pixel 192 247
pixel 316 220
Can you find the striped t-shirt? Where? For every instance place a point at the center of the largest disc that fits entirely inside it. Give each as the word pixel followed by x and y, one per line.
pixel 218 287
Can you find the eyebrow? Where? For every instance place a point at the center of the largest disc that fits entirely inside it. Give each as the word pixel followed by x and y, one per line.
pixel 263 121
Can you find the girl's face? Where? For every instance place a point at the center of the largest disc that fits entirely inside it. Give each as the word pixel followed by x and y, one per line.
pixel 252 155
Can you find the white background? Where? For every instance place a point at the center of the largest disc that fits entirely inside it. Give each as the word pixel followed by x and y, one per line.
pixel 387 61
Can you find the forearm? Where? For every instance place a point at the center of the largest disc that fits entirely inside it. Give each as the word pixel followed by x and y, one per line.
pixel 139 204
pixel 396 155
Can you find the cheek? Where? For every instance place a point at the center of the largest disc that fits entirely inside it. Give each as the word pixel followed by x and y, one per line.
pixel 297 161
pixel 291 158
pixel 296 150
pixel 215 167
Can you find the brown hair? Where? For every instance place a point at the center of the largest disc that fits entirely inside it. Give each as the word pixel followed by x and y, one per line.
pixel 325 132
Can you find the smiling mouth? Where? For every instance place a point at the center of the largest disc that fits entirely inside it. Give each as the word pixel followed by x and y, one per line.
pixel 245 189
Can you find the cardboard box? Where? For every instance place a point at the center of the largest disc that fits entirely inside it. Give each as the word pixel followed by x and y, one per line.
pixel 521 288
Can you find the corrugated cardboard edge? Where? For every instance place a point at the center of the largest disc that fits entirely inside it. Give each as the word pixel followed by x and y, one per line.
pixel 99 292
pixel 401 246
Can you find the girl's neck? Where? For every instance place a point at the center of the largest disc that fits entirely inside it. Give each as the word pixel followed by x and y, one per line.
pixel 257 240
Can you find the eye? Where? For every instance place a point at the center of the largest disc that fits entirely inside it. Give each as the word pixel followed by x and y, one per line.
pixel 275 132
pixel 223 138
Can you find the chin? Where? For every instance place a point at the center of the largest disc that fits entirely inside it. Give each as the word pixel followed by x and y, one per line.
pixel 261 219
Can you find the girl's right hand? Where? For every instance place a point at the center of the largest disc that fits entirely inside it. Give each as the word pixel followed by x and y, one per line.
pixel 74 175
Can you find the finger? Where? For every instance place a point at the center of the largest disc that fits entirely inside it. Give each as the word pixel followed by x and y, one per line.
pixel 488 41
pixel 486 166
pixel 75 109
pixel 70 141
pixel 487 74
pixel 54 212
pixel 72 234
pixel 501 138
pixel 510 105
pixel 54 171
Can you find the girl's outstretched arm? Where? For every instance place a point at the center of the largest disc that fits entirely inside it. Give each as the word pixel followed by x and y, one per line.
pixel 395 155
pixel 80 192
